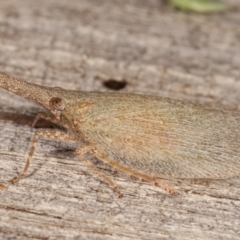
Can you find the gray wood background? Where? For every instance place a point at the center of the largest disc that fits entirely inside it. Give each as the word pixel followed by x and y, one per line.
pixel 82 44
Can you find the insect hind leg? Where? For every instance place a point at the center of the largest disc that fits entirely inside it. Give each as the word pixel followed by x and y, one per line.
pixel 131 172
pixel 80 154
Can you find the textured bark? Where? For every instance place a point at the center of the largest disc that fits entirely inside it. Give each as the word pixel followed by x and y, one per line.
pixel 147 48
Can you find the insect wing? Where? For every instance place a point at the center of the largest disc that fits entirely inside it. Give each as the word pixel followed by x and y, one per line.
pixel 165 138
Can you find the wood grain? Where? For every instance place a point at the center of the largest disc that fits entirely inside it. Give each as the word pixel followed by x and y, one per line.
pixel 81 45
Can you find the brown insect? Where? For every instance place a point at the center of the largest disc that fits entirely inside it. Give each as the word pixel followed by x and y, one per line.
pixel 149 137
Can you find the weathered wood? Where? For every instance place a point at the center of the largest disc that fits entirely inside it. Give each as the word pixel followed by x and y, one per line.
pixel 80 45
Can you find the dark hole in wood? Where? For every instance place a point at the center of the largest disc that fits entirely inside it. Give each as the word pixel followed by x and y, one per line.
pixel 115 84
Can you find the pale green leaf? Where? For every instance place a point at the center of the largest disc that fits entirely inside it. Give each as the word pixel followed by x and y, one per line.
pixel 201 6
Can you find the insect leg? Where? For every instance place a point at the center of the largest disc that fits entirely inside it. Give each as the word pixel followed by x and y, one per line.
pixel 80 154
pixel 131 172
pixel 44 116
pixel 41 133
pixel 50 118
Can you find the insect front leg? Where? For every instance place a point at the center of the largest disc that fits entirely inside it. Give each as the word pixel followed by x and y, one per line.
pixel 41 133
pixel 44 116
pixel 50 118
pixel 80 154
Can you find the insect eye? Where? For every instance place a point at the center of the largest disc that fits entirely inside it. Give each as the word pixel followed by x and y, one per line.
pixel 57 103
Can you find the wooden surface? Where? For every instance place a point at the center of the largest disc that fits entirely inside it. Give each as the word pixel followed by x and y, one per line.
pixel 82 45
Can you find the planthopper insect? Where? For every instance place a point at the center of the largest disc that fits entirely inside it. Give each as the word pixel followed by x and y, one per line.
pixel 148 137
